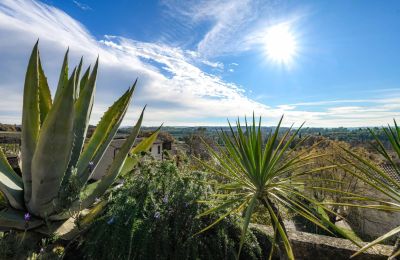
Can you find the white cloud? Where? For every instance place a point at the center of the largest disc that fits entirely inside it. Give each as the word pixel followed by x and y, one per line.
pixel 176 90
pixel 230 22
pixel 82 6
pixel 188 94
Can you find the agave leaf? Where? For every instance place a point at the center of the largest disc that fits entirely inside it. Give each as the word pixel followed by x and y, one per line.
pixel 65 230
pixel 44 94
pixel 129 164
pixel 93 213
pixel 70 228
pixel 11 184
pixel 53 152
pixel 98 188
pixel 237 209
pixel 281 232
pixel 143 146
pixel 83 108
pixel 84 79
pixel 77 78
pixel 246 221
pixel 102 136
pixel 30 120
pixel 10 218
pixel 146 143
pixel 63 79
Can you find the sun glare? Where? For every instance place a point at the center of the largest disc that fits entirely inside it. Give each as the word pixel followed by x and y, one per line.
pixel 280 44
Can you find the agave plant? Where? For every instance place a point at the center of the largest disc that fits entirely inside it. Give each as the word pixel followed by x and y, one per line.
pixel 266 171
pixel 381 180
pixel 55 163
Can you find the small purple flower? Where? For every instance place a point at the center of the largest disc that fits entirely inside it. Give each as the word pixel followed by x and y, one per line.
pixel 157 215
pixel 27 217
pixel 41 250
pixel 91 166
pixel 165 199
pixel 111 221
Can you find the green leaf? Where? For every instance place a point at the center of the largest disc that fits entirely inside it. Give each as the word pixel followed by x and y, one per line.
pixel 143 146
pixel 281 232
pixel 93 213
pixel 53 152
pixel 11 184
pixel 103 135
pixel 82 111
pixel 44 95
pixel 77 79
pixel 98 188
pixel 63 79
pixel 30 120
pixel 246 221
pixel 146 143
pixel 85 78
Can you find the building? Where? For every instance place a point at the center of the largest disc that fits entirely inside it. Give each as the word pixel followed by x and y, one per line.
pixel 156 151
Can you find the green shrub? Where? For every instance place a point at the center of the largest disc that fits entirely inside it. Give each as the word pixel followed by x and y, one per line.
pixel 153 216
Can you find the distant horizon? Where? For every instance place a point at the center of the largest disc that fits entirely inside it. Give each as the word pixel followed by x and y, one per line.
pixel 227 126
pixel 328 63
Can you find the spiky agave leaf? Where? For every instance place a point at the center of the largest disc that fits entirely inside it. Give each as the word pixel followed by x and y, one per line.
pixel 256 173
pixel 11 184
pixel 53 152
pixel 63 78
pixel 83 109
pixel 30 120
pixel 103 135
pixel 378 179
pixel 85 78
pixel 97 189
pixel 44 94
pixel 77 79
pixel 143 146
pixel 47 141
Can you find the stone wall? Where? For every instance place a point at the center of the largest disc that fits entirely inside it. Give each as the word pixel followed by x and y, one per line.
pixel 370 224
pixel 311 246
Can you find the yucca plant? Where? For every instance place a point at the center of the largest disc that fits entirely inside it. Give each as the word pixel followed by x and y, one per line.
pixel 266 171
pixel 55 163
pixel 386 182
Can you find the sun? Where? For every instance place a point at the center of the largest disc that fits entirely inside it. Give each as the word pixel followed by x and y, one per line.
pixel 280 44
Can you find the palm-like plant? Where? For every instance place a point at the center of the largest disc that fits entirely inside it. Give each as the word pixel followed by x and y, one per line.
pixel 262 171
pixel 376 177
pixel 55 164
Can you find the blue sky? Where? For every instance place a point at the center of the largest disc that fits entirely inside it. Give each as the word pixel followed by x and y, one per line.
pixel 200 62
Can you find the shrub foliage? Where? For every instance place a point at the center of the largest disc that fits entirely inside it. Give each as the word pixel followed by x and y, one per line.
pixel 153 216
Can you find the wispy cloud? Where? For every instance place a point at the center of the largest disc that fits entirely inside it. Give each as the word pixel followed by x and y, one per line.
pixel 82 6
pixel 187 96
pixel 234 25
pixel 171 80
pixel 229 18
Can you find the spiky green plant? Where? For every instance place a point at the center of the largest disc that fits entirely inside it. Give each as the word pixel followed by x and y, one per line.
pixel 55 164
pixel 384 182
pixel 268 172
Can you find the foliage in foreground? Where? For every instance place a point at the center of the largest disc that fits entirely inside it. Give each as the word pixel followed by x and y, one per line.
pixel 55 167
pixel 384 181
pixel 153 216
pixel 266 172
